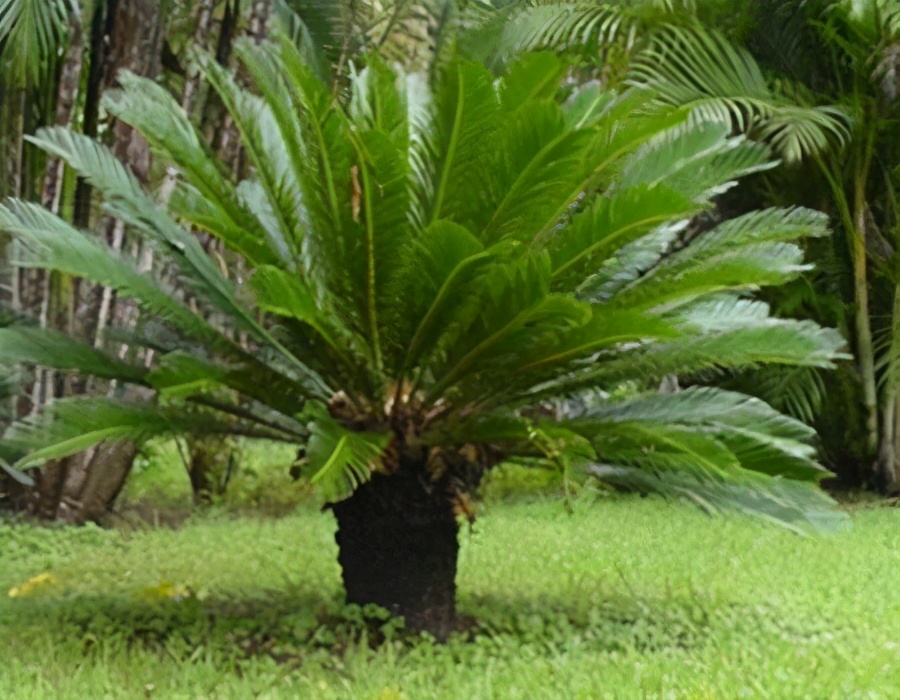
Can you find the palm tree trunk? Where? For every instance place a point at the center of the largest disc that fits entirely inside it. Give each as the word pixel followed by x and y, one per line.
pixel 53 299
pixel 398 547
pixel 865 352
pixel 83 487
pixel 890 444
pixel 192 81
pixel 890 425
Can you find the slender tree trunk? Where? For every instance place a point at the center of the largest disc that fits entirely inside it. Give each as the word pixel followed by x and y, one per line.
pixel 398 547
pixel 192 81
pixel 890 416
pixel 83 487
pixel 865 352
pixel 211 461
pixel 259 18
pixel 101 27
pixel 53 285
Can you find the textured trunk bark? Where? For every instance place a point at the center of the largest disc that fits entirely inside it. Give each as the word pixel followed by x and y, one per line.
pixel 192 81
pixel 56 288
pixel 128 35
pixel 890 420
pixel 210 464
pixel 865 352
pixel 101 26
pixel 398 548
pixel 83 488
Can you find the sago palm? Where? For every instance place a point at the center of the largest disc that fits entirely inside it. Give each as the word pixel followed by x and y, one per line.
pixel 437 278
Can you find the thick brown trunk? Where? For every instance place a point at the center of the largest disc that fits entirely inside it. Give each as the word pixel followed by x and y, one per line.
pixel 83 488
pixel 398 548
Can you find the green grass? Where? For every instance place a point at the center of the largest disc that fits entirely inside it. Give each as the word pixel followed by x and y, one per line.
pixel 625 598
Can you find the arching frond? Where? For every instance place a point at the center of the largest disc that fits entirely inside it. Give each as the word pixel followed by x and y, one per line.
pixel 520 27
pixel 337 459
pixel 30 33
pixel 216 205
pixel 699 70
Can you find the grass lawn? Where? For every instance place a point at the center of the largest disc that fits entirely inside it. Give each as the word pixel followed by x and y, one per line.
pixel 624 598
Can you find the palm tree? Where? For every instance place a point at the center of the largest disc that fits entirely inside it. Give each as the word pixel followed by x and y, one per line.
pixel 57 69
pixel 845 53
pixel 451 274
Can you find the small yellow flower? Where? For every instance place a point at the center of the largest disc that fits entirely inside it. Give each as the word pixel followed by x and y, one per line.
pixel 391 694
pixel 42 583
pixel 166 590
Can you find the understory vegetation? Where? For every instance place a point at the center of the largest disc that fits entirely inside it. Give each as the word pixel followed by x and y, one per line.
pixel 637 598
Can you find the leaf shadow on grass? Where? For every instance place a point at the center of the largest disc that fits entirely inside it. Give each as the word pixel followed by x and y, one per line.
pixel 284 624
pixel 614 624
pixel 289 626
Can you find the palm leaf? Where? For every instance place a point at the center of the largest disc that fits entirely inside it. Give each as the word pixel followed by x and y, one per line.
pixel 339 460
pixel 152 110
pixel 71 425
pixel 129 202
pixel 54 349
pixel 31 32
pixel 798 505
pixel 698 70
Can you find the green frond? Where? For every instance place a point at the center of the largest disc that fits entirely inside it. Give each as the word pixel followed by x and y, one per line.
pixel 379 102
pixel 696 160
pixel 698 70
pixel 31 32
pixel 50 348
pixel 611 223
pixel 776 341
pixel 215 205
pixel 45 241
pixel 741 269
pixel 761 438
pixel 464 118
pixel 179 375
pixel 513 295
pixel 528 26
pixel 798 505
pixel 533 77
pixel 385 194
pixel 437 296
pixel 543 164
pixel 709 446
pixel 747 252
pixel 269 139
pixel 127 200
pixel 316 28
pixel 68 426
pixel 338 460
pixel 279 292
pixel 629 263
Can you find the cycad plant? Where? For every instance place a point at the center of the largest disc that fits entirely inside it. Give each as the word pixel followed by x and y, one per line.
pixel 437 277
